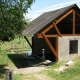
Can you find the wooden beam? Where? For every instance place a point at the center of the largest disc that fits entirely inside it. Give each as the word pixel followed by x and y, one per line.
pixel 50 35
pixel 61 18
pixel 73 22
pixel 54 35
pixel 47 29
pixel 50 45
pixel 28 41
pixel 57 29
pixel 57 47
pixel 67 34
pixel 77 35
pixel 40 36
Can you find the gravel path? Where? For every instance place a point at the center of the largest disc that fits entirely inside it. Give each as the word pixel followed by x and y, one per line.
pixel 28 70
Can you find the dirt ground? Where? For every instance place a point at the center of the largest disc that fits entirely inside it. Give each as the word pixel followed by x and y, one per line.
pixel 28 70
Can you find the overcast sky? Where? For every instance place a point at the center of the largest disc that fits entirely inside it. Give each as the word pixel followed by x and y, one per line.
pixel 41 6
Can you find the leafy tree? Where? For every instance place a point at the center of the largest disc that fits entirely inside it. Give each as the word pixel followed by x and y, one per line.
pixel 12 21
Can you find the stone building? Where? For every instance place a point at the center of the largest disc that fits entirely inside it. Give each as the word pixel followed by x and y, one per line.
pixel 58 32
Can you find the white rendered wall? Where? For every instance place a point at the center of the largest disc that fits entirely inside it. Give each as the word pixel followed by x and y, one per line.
pixel 63 47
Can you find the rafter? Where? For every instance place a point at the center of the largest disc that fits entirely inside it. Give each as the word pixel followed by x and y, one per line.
pixel 61 18
pixel 40 36
pixel 47 29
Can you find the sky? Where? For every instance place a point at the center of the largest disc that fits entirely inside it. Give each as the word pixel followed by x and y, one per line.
pixel 41 6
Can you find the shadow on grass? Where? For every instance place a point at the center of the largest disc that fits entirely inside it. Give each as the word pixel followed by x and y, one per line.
pixel 21 62
pixel 2 71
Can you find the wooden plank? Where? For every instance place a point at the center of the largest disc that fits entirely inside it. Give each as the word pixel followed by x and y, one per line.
pixel 57 29
pixel 61 18
pixel 73 22
pixel 50 45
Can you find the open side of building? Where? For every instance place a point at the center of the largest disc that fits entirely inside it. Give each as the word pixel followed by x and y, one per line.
pixel 58 32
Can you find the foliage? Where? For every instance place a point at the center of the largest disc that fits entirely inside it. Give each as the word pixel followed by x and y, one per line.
pixel 12 21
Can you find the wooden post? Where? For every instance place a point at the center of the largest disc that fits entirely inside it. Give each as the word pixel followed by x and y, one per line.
pixel 57 48
pixel 73 22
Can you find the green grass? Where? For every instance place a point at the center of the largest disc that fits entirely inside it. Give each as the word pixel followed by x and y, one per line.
pixel 17 44
pixel 5 47
pixel 4 59
pixel 25 77
pixel 71 73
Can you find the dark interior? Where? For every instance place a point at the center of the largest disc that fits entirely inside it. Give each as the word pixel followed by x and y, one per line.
pixel 66 25
pixel 73 46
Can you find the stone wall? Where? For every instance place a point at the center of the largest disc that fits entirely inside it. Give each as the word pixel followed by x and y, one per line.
pixel 63 47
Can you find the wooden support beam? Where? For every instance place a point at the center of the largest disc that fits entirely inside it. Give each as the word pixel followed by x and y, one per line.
pixel 61 18
pixel 77 35
pixel 67 34
pixel 70 35
pixel 28 41
pixel 49 36
pixel 57 29
pixel 50 45
pixel 74 22
pixel 40 36
pixel 57 47
pixel 47 29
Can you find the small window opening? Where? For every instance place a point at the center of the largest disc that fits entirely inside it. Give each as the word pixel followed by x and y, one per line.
pixel 73 46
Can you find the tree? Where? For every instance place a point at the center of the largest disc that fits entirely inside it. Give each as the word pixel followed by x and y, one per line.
pixel 12 20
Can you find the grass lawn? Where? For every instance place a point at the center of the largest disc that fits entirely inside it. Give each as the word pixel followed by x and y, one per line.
pixel 71 73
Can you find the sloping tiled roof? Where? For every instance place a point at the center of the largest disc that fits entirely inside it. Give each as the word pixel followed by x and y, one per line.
pixel 45 19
